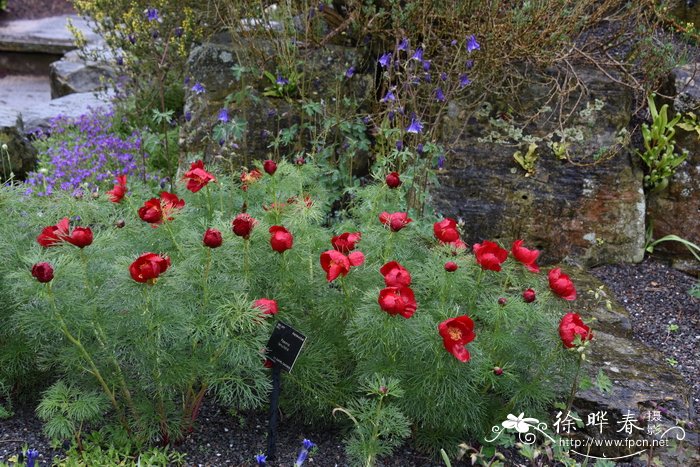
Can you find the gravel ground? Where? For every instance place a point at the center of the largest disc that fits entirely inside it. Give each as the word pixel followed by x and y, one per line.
pixel 663 314
pixel 654 294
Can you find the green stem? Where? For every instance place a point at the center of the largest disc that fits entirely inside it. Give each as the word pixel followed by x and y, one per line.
pixel 375 429
pixel 91 363
pixel 153 326
pixel 210 207
pixel 472 299
pixel 574 385
pixel 205 279
pixel 166 224
pixel 102 338
pixel 388 247
pixel 246 260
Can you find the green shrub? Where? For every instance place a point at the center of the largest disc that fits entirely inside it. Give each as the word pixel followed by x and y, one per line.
pixel 156 350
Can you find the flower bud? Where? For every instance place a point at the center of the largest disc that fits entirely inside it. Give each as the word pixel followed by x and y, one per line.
pixel 502 301
pixel 497 370
pixel 43 272
pixel 212 238
pixel 393 180
pixel 270 167
pixel 451 266
pixel 529 296
pixel 120 224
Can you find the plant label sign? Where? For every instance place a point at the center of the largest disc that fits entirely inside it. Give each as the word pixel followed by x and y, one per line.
pixel 285 345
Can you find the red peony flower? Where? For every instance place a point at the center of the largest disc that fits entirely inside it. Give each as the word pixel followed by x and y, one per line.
pixel 270 167
pixel 243 225
pixel 502 301
pixel 54 234
pixel 489 255
pixel 571 326
pixel 80 237
pixel 248 178
pixel 212 238
pixel 117 193
pixel 446 230
pixel 197 177
pixel 456 333
pixel 346 242
pixel 280 240
pixel 157 210
pixel 451 266
pixel 529 296
pixel 393 180
pixel 337 264
pixel 398 301
pixel 395 221
pixel 561 284
pixel 525 256
pixel 43 272
pixel 148 267
pixel 268 306
pixel 395 275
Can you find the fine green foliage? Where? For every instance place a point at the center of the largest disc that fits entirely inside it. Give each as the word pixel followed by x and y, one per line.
pixel 155 350
pixel 379 427
pixel 659 147
pixel 66 409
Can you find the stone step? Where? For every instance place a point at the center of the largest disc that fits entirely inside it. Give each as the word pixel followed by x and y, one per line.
pixel 43 35
pixel 26 63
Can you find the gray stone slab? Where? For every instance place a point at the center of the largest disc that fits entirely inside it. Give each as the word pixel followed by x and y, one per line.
pixel 72 105
pixel 46 35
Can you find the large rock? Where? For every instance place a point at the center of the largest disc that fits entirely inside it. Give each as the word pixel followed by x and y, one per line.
pixel 72 105
pixel 17 155
pixel 211 65
pixel 641 381
pixel 676 210
pixel 588 209
pixel 72 74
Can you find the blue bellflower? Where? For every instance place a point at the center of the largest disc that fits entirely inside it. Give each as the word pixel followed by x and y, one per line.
pixel 32 455
pixel 472 44
pixel 261 459
pixel 152 14
pixel 439 95
pixel 350 72
pixel 418 54
pixel 198 88
pixel 403 45
pixel 281 80
pixel 223 116
pixel 385 59
pixel 389 96
pixel 415 127
pixel 464 80
pixel 306 446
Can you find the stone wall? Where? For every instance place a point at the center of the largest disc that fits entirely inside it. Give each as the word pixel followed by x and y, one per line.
pixel 583 209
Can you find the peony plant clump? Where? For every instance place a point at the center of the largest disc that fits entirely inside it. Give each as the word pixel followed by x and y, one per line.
pixel 159 301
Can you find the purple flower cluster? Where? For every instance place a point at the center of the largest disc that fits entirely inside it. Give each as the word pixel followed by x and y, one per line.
pixel 79 153
pixel 416 70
